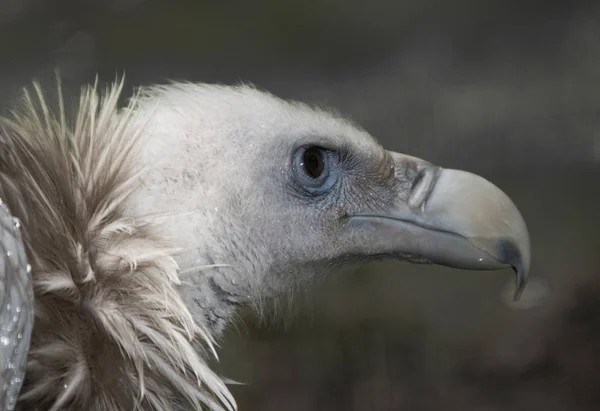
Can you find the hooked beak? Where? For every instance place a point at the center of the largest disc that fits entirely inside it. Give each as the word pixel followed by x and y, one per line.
pixel 452 218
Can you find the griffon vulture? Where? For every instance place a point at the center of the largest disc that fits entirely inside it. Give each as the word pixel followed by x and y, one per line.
pixel 146 227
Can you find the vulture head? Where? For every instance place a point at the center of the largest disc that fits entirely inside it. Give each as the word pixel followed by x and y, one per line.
pixel 147 227
pixel 269 195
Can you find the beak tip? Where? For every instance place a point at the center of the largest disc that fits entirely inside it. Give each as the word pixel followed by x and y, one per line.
pixel 519 289
pixel 521 282
pixel 517 254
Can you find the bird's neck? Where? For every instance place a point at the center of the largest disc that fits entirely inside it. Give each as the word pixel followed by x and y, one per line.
pixel 211 297
pixel 214 280
pixel 180 189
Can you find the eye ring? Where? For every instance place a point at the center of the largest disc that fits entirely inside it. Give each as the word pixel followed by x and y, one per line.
pixel 313 168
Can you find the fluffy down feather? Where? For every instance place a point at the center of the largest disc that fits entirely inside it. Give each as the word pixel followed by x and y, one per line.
pixel 111 331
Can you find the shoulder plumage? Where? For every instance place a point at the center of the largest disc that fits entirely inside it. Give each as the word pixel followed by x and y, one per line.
pixel 111 330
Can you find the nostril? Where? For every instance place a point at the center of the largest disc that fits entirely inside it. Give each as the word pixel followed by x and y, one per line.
pixel 417 180
pixel 421 186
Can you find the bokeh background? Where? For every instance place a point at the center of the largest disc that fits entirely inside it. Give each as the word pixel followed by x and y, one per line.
pixel 508 89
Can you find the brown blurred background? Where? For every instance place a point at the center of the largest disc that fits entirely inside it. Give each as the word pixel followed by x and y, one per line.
pixel 509 89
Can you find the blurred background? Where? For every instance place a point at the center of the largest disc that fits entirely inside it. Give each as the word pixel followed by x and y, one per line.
pixel 508 89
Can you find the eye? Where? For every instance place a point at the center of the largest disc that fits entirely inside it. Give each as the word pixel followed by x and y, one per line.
pixel 314 168
pixel 312 162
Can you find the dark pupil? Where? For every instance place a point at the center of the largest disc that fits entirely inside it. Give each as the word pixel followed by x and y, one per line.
pixel 313 162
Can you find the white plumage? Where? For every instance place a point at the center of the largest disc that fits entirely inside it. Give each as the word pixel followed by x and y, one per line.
pixel 147 227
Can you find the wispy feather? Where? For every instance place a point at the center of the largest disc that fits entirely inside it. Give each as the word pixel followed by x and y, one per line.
pixel 111 330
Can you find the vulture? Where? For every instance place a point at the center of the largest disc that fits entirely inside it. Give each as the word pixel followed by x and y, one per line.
pixel 147 225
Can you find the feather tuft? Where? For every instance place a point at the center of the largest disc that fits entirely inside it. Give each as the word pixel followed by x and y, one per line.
pixel 111 330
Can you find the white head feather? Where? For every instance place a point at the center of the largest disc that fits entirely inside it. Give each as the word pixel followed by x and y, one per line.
pixel 147 228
